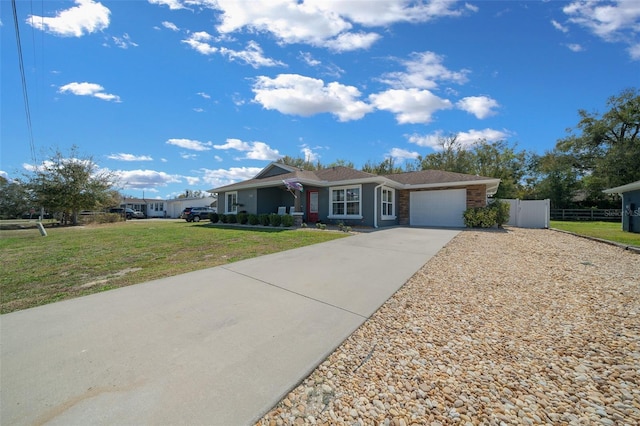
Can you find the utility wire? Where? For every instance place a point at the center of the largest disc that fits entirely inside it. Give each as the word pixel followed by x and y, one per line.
pixel 25 95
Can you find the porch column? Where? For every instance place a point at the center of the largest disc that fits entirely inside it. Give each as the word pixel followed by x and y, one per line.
pixel 297 203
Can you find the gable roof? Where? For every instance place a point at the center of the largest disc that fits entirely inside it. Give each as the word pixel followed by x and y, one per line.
pixel 275 173
pixel 624 188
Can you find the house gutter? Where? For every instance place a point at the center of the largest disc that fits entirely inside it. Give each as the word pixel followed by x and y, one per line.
pixel 375 205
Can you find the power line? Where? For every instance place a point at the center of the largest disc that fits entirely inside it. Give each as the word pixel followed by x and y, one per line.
pixel 25 95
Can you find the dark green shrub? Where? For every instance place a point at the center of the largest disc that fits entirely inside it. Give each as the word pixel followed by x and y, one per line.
pixel 253 219
pixel 287 220
pixel 223 218
pixel 502 209
pixel 214 217
pixel 480 217
pixel 232 218
pixel 264 220
pixel 275 219
pixel 243 218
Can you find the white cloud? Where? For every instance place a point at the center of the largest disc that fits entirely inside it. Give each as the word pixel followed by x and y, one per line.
pixel 198 41
pixel 613 21
pixel 172 4
pixel 574 47
pixel 198 110
pixel 308 154
pixel 254 150
pixel 204 95
pixel 252 55
pixel 410 105
pixel 129 157
pixel 634 51
pixel 191 144
pixel 191 180
pixel 188 156
pixel 85 18
pixel 466 139
pixel 423 71
pixel 220 177
pixel 143 179
pixel 480 106
pixel 4 174
pixel 402 154
pixel 124 42
pixel 305 96
pixel 309 60
pixel 217 158
pixel 170 26
pixel 88 89
pixel 346 42
pixel 558 26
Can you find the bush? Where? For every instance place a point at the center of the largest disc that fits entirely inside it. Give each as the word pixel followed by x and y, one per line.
pixel 264 220
pixel 224 218
pixel 253 219
pixel 480 217
pixel 232 218
pixel 242 218
pixel 214 217
pixel 275 219
pixel 287 221
pixel 502 209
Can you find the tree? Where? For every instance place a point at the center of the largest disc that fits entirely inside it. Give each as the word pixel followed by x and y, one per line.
pixel 452 156
pixel 341 162
pixel 385 167
pixel 606 148
pixel 67 185
pixel 15 199
pixel 554 177
pixel 300 163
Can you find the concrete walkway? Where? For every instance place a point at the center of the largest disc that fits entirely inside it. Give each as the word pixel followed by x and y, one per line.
pixel 219 346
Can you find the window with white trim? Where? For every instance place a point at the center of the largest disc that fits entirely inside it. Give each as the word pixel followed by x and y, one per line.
pixel 346 201
pixel 231 202
pixel 387 199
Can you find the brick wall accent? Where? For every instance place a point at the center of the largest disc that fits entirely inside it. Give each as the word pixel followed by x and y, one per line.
pixel 403 207
pixel 476 197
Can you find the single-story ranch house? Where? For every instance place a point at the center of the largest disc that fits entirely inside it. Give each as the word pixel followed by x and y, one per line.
pixel 630 205
pixel 353 197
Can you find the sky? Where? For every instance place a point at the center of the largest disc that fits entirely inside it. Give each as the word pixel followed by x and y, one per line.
pixel 176 95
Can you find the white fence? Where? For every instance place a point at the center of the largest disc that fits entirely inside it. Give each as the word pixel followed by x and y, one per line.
pixel 529 213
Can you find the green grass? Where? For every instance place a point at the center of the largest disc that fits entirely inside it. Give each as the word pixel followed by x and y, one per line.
pixel 611 231
pixel 75 261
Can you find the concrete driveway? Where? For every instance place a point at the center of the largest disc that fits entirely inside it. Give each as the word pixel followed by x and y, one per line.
pixel 218 346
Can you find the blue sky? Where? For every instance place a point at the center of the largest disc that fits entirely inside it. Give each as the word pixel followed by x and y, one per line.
pixel 193 94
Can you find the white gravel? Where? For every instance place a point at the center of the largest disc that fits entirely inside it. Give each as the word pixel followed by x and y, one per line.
pixel 500 328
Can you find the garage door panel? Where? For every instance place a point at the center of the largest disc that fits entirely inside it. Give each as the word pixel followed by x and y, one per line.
pixel 437 208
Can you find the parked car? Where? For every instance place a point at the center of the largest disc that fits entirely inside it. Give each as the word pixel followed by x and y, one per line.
pixel 127 213
pixel 196 214
pixel 137 214
pixel 185 212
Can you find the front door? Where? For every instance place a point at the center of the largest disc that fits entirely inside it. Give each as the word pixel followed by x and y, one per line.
pixel 312 206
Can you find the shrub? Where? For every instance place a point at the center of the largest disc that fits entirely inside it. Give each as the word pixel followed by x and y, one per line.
pixel 243 218
pixel 264 219
pixel 223 218
pixel 480 217
pixel 232 218
pixel 321 226
pixel 275 219
pixel 214 217
pixel 502 209
pixel 253 219
pixel 287 220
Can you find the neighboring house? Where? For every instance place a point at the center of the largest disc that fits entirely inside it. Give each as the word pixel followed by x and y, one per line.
pixel 342 194
pixel 630 205
pixel 166 208
pixel 176 206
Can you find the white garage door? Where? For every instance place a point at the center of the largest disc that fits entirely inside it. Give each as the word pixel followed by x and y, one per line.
pixel 437 208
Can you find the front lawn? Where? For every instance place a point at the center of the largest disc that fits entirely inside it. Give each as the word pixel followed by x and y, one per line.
pixel 611 231
pixel 81 260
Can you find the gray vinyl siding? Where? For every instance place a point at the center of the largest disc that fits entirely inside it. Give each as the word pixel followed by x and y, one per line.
pixel 630 211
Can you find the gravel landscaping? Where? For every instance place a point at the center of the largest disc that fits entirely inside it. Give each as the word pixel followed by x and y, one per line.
pixel 500 328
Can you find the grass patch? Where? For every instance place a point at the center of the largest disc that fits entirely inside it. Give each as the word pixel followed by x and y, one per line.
pixel 76 261
pixel 611 231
